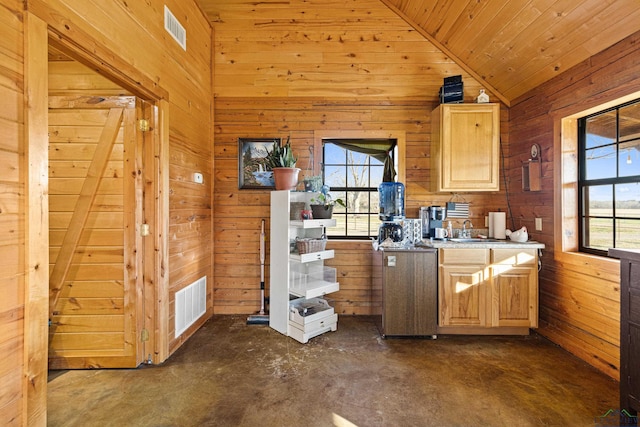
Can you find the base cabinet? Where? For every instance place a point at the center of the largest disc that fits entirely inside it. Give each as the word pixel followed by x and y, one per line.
pixel 488 290
pixel 409 293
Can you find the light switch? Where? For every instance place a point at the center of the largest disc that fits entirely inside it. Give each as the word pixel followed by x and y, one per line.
pixel 198 178
pixel 391 261
pixel 538 224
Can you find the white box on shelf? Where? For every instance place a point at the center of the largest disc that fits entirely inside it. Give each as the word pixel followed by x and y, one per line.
pixel 304 311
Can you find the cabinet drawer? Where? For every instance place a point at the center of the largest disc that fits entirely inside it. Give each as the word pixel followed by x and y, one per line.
pixel 312 256
pixel 464 256
pixel 305 312
pixel 327 322
pixel 313 329
pixel 514 256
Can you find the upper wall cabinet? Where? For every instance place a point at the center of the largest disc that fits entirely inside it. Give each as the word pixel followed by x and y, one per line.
pixel 465 153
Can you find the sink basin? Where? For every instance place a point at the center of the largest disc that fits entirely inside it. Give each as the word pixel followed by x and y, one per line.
pixel 475 240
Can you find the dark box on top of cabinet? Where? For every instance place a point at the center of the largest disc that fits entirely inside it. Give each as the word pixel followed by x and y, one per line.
pixel 452 91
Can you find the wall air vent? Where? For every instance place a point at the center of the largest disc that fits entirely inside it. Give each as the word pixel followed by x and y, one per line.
pixel 190 305
pixel 175 28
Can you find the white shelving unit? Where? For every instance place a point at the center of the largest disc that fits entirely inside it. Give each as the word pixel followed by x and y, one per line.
pixel 298 282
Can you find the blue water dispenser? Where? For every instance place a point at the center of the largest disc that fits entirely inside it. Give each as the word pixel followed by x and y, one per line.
pixel 391 201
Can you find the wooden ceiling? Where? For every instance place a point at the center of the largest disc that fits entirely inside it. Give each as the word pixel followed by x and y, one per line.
pixel 514 46
pixel 506 46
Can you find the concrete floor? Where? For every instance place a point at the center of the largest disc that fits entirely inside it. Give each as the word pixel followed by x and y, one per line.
pixel 231 374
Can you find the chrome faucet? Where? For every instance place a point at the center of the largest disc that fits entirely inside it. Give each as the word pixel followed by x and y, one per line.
pixel 466 234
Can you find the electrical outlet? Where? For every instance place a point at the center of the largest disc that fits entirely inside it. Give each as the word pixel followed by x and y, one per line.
pixel 538 224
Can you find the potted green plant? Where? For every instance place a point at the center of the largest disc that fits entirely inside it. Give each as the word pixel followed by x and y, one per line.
pixel 322 205
pixel 283 163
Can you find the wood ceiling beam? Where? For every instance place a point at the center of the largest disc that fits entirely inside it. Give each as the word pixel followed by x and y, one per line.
pixel 447 52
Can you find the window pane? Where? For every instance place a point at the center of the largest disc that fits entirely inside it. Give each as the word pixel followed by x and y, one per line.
pixel 599 200
pixel 376 162
pixel 341 226
pixel 376 175
pixel 355 158
pixel 361 201
pixel 628 200
pixel 334 176
pixel 601 130
pixel 627 233
pixel 628 158
pixel 367 202
pixel 374 201
pixel 630 122
pixel 599 233
pixel 601 162
pixel 357 175
pixel 335 195
pixel 359 225
pixel 334 155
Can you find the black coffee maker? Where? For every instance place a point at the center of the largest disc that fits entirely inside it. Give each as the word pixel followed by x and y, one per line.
pixel 432 218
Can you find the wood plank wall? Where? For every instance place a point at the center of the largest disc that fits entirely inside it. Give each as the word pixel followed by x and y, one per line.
pixel 239 212
pixel 12 221
pixel 319 66
pixel 579 303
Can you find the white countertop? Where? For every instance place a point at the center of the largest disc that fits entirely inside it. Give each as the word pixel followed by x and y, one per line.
pixel 489 244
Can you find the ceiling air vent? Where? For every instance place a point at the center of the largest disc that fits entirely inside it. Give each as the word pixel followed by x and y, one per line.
pixel 175 28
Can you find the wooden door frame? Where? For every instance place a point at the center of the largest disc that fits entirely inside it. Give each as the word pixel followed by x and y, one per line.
pixel 45 26
pixel 36 211
pixel 156 280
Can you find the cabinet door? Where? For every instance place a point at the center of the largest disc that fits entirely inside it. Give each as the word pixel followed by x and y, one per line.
pixel 409 293
pixel 514 296
pixel 462 295
pixel 468 153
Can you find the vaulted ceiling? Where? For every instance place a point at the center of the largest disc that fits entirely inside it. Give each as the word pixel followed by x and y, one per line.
pixel 514 46
pixel 362 47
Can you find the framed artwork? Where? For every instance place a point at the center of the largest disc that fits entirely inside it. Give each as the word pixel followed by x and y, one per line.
pixel 252 172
